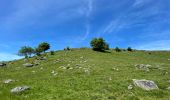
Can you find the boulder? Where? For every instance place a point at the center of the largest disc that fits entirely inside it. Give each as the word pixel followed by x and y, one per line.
pixel 8 81
pixel 42 58
pixel 143 67
pixel 28 65
pixel 2 64
pixel 168 88
pixel 130 87
pixel 145 84
pixel 19 89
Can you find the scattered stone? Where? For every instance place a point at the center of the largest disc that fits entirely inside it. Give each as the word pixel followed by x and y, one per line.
pixel 143 67
pixel 33 71
pixel 36 63
pixel 116 69
pixel 19 89
pixel 42 58
pixel 25 60
pixel 168 59
pixel 8 81
pixel 168 88
pixel 110 78
pixel 28 65
pixel 2 64
pixel 53 72
pixel 145 84
pixel 130 87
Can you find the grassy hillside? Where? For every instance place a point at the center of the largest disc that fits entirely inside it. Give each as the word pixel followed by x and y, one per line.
pixel 83 74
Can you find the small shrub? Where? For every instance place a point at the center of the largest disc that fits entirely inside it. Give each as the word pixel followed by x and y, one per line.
pixel 117 49
pixel 129 49
pixel 67 48
pixel 52 53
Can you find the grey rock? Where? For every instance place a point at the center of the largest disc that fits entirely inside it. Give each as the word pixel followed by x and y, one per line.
pixel 145 84
pixel 143 67
pixel 2 64
pixel 168 88
pixel 25 60
pixel 8 81
pixel 42 58
pixel 19 89
pixel 130 87
pixel 28 65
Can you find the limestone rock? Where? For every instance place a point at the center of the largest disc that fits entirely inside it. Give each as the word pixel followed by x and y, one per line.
pixel 143 67
pixel 19 89
pixel 2 64
pixel 145 84
pixel 168 88
pixel 28 65
pixel 130 87
pixel 8 81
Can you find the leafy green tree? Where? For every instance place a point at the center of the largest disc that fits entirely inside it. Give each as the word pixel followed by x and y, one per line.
pixel 38 51
pixel 42 47
pixel 129 49
pixel 99 44
pixel 26 51
pixel 107 46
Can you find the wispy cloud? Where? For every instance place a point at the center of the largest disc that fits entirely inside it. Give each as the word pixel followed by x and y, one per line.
pixel 88 16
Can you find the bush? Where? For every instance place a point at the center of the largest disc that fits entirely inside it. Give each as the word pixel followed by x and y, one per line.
pixel 42 47
pixel 99 44
pixel 67 48
pixel 52 53
pixel 117 49
pixel 129 49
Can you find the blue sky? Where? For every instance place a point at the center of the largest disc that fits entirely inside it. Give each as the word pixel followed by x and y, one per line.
pixel 141 24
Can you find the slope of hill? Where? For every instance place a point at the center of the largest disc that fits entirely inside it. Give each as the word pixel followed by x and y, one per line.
pixel 83 74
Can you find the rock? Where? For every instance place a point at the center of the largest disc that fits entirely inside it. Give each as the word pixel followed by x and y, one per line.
pixel 2 64
pixel 25 60
pixel 19 89
pixel 42 58
pixel 168 59
pixel 143 67
pixel 145 84
pixel 8 81
pixel 130 87
pixel 28 65
pixel 168 88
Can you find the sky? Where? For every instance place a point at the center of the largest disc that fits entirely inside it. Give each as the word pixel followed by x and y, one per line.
pixel 140 24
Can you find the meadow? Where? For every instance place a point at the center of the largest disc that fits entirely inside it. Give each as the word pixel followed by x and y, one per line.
pixel 84 74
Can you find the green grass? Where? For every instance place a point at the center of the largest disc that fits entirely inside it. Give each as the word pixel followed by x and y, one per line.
pixel 95 80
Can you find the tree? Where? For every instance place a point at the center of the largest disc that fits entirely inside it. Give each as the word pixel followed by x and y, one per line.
pixel 99 44
pixel 26 51
pixel 129 49
pixel 37 51
pixel 117 49
pixel 107 46
pixel 42 47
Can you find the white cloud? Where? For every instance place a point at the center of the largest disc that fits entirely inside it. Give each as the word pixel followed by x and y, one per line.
pixel 88 11
pixel 8 57
pixel 138 3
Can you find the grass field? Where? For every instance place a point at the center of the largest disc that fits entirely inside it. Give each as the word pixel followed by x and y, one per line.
pixel 83 74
